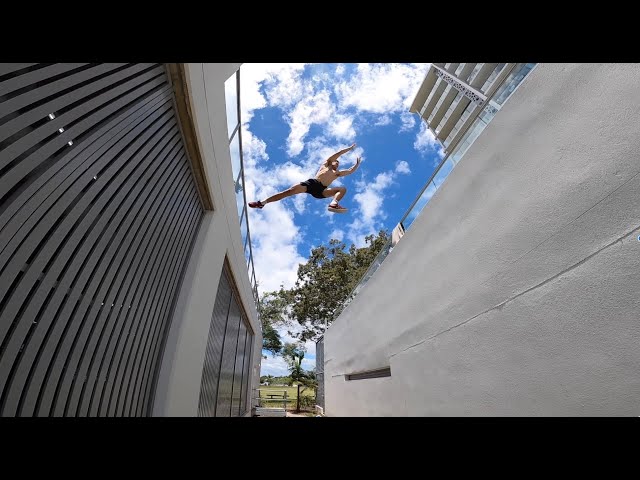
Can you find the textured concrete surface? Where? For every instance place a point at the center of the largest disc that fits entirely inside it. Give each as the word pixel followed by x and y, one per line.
pixel 517 289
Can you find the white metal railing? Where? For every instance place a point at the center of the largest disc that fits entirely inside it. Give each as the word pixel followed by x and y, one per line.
pixel 234 125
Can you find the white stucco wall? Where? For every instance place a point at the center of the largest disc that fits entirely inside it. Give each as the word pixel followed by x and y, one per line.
pixel 517 289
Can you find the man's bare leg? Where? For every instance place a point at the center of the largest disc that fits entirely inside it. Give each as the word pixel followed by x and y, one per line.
pixel 338 194
pixel 294 190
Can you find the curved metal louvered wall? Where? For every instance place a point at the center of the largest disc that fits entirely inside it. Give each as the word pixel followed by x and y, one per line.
pixel 98 212
pixel 227 365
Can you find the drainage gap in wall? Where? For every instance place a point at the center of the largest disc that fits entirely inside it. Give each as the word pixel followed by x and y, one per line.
pixel 381 372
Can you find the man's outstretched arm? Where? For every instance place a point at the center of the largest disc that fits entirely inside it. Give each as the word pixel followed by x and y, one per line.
pixel 335 156
pixel 349 171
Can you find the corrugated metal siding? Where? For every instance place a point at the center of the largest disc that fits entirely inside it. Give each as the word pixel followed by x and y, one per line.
pixel 225 376
pixel 98 212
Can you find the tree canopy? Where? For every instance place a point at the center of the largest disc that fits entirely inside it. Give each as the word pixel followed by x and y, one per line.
pixel 323 284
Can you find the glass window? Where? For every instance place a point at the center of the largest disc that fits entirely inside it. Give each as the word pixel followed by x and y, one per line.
pixel 443 173
pixel 469 137
pixel 519 72
pixel 243 227
pixel 463 118
pixel 234 148
pixel 247 256
pixel 231 100
pixel 239 188
pixel 417 208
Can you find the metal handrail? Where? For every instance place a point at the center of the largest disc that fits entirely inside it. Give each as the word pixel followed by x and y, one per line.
pixel 244 214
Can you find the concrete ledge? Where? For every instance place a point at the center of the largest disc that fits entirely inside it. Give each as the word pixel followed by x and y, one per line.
pixel 178 82
pixel 270 412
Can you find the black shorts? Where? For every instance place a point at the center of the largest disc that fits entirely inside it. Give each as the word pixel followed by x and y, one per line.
pixel 314 187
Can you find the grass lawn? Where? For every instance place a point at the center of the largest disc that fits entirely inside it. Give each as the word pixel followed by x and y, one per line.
pixel 292 394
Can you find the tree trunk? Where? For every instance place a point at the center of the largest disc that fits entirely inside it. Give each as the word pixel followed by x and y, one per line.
pixel 298 400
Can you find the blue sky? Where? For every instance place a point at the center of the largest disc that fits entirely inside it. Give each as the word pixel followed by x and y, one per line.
pixel 296 115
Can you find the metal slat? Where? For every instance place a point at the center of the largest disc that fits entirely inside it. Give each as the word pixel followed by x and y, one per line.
pixel 122 219
pixel 90 405
pixel 127 287
pixel 246 403
pixel 70 165
pixel 155 336
pixel 30 97
pixel 7 68
pixel 60 259
pixel 84 167
pixel 58 230
pixel 165 293
pixel 246 396
pixel 21 169
pixel 99 319
pixel 211 367
pixel 80 260
pixel 237 371
pixel 159 189
pixel 215 342
pixel 225 383
pixel 245 363
pixel 36 95
pixel 42 74
pixel 170 234
pixel 86 339
pixel 108 218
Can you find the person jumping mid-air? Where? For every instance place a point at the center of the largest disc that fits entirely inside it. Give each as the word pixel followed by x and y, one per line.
pixel 319 187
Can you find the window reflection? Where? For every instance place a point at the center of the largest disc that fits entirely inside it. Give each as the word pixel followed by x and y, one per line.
pixel 231 100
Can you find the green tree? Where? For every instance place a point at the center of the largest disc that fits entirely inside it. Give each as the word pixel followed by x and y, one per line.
pixel 271 310
pixel 324 282
pixel 293 354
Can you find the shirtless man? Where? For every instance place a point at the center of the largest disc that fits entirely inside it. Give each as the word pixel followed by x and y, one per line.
pixel 318 187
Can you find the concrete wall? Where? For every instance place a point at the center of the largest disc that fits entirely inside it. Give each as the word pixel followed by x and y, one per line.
pixel 180 376
pixel 517 289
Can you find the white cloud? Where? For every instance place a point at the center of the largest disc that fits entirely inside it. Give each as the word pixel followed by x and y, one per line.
pixel 382 88
pixel 383 120
pixel 425 140
pixel 342 128
pixel 336 234
pixel 308 364
pixel 254 150
pixel 311 109
pixel 255 75
pixel 402 167
pixel 408 121
pixel 370 196
pixel 273 365
pixel 332 110
pixel 275 240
